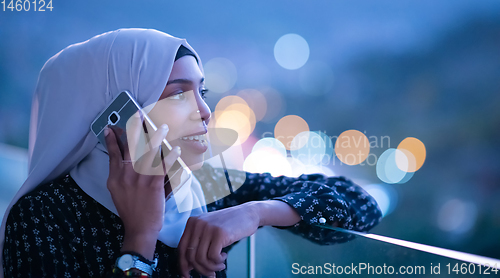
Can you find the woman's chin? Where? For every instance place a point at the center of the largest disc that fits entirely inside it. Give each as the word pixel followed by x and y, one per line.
pixel 196 166
pixel 194 163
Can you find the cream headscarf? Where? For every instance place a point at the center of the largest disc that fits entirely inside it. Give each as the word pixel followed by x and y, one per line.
pixel 73 87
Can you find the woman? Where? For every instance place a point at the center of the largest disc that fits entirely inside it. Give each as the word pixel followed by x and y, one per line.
pixel 63 221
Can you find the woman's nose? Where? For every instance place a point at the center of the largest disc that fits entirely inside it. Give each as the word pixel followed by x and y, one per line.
pixel 203 111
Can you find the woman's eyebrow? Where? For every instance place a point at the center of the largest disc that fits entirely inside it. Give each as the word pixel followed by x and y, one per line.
pixel 183 81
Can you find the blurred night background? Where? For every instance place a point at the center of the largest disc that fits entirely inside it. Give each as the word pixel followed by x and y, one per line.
pixel 425 69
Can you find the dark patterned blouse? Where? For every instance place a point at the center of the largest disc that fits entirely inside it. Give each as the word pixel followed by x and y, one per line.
pixel 57 230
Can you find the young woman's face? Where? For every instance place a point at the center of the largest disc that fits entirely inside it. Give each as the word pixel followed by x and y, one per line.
pixel 182 107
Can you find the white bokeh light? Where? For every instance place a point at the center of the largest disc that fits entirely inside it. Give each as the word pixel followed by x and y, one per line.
pixel 263 161
pixel 328 148
pixel 388 167
pixel 299 168
pixel 270 144
pixel 311 148
pixel 457 216
pixel 291 51
pixel 220 75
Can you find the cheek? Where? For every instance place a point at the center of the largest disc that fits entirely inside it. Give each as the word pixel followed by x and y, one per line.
pixel 171 137
pixel 175 118
pixel 176 127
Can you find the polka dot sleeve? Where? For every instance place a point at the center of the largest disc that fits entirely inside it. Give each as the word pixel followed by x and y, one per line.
pixel 314 196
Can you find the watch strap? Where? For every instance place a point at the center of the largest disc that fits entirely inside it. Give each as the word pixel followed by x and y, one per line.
pixel 140 262
pixel 138 255
pixel 144 267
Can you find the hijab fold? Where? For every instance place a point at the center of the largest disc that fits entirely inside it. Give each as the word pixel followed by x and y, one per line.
pixel 73 87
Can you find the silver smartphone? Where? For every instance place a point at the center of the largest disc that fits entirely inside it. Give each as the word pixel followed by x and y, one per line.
pixel 116 115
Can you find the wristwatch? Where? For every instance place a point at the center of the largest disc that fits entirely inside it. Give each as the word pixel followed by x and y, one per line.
pixel 133 260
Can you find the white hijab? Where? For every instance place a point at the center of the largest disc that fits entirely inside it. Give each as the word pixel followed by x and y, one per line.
pixel 73 87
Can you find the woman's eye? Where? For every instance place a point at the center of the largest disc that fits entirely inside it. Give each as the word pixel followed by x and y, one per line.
pixel 179 96
pixel 203 93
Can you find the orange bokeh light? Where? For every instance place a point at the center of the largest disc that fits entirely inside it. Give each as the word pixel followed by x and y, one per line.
pixel 352 147
pixel 288 127
pixel 417 149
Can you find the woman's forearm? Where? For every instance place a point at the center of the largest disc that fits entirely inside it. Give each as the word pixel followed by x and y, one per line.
pixel 144 244
pixel 275 213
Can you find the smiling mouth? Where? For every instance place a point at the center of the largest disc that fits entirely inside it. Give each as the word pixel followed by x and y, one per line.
pixel 197 143
pixel 195 138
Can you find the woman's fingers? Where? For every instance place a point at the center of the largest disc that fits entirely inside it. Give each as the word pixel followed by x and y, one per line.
pixel 202 249
pixel 224 255
pixel 145 164
pixel 115 155
pixel 215 253
pixel 169 161
pixel 137 136
pixel 183 248
pixel 126 151
pixel 196 242
pixel 188 247
pixel 208 241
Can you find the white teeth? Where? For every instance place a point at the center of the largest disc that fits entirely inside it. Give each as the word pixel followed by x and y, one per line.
pixel 196 137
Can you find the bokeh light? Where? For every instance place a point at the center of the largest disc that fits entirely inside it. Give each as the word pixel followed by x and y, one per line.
pixel 407 177
pixel 291 51
pixel 247 146
pixel 387 167
pixel 309 148
pixel 228 101
pixel 262 161
pixel 300 141
pixel 234 120
pixel 316 78
pixel 271 145
pixel 220 75
pixel 288 127
pixel 457 216
pixel 247 111
pixel 405 160
pixel 329 148
pixel 220 151
pixel 256 101
pixel 385 196
pixel 417 149
pixel 299 168
pixel 352 147
pixel 233 112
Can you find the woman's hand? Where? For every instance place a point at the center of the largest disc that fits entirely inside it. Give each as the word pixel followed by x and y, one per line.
pixel 205 236
pixel 138 198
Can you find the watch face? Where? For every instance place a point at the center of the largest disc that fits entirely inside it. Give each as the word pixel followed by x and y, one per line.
pixel 125 262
